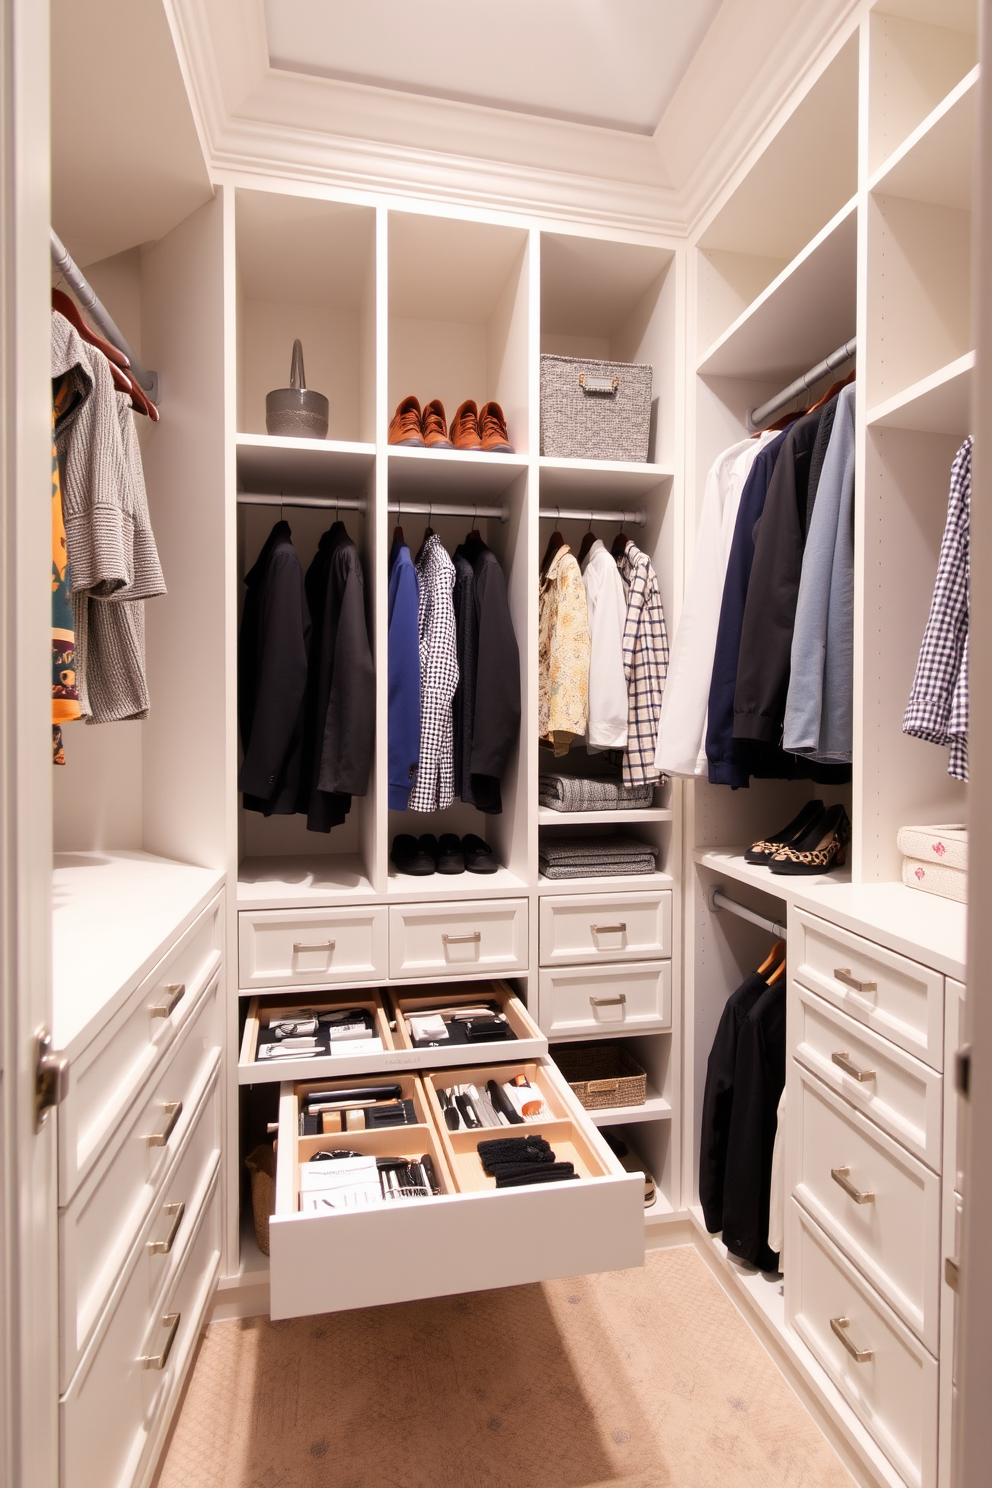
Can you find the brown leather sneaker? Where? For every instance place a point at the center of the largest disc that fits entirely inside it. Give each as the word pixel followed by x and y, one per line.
pixel 492 426
pixel 406 426
pixel 464 430
pixel 435 426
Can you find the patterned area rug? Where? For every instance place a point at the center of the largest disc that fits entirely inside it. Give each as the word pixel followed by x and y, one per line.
pixel 630 1379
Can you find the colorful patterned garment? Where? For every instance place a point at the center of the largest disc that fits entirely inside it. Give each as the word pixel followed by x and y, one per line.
pixel 563 653
pixel 645 663
pixel 65 693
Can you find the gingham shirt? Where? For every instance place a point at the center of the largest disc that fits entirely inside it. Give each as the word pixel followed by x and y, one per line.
pixel 938 704
pixel 645 664
pixel 434 788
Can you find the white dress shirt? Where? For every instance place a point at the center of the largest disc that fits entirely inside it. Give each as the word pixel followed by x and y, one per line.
pixel 607 607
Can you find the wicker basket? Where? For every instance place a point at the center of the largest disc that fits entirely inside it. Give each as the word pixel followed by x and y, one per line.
pixel 261 1164
pixel 593 410
pixel 603 1075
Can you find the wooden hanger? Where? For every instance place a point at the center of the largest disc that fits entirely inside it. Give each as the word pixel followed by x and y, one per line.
pixel 555 542
pixel 776 953
pixel 620 543
pixel 587 542
pixel 475 535
pixel 120 367
pixel 776 975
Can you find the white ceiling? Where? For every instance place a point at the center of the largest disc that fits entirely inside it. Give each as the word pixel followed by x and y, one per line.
pixel 613 63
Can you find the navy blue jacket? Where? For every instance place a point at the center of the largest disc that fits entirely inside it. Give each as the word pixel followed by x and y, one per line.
pixel 404 676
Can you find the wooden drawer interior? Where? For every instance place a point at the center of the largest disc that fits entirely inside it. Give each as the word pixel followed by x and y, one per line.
pixel 354 1060
pixel 423 997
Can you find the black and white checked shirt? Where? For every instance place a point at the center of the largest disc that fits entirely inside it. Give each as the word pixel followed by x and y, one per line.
pixel 434 788
pixel 645 664
pixel 938 703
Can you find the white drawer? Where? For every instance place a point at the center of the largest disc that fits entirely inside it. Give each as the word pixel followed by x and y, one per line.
pixel 98 1229
pixel 898 998
pixel 311 947
pixel 894 1237
pixel 902 1094
pixel 109 1073
pixel 470 1238
pixel 113 1407
pixel 485 936
pixel 605 927
pixel 894 1392
pixel 617 999
pixel 351 1059
pixel 528 1044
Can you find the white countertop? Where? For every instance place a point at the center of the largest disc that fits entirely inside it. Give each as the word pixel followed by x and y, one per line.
pixel 113 916
pixel 922 926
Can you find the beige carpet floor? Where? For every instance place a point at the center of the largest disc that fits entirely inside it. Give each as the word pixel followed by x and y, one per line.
pixel 632 1379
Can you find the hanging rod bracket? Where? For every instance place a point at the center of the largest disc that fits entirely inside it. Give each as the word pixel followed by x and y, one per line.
pixel 756 417
pixel 100 315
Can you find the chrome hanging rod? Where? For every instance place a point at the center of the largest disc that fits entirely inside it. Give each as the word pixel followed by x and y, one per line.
pixel 395 508
pixel 755 417
pixel 718 900
pixel 569 514
pixel 100 315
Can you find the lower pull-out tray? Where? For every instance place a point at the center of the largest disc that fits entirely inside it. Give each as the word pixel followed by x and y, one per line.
pixel 471 1237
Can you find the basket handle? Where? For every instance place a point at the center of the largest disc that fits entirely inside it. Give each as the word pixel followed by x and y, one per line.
pixel 590 384
pixel 297 376
pixel 599 1086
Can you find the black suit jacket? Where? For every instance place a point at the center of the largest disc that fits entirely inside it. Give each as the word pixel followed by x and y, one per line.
pixel 759 1075
pixel 494 681
pixel 718 1099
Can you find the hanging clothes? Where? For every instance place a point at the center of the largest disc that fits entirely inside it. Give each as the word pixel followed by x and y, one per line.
pixel 819 706
pixel 645 664
pixel 404 676
pixel 759 1076
pixel 563 654
pixel 434 786
pixel 718 1099
pixel 65 693
pixel 272 677
pixel 486 709
pixel 606 607
pixel 467 644
pixel 778 1194
pixel 682 728
pixel 819 453
pixel 938 704
pixel 339 706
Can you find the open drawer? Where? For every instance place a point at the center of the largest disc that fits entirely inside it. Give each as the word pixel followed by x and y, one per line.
pixel 471 1237
pixel 347 1056
pixel 528 1043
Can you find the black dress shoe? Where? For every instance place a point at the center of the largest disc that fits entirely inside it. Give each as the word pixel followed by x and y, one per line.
pixel 478 855
pixel 409 858
pixel 763 851
pixel 823 847
pixel 450 858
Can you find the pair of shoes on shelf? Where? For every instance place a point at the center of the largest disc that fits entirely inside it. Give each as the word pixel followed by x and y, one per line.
pixel 472 428
pixel 447 854
pixel 814 842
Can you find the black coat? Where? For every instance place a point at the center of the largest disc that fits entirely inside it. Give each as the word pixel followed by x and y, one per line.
pixel 759 1075
pixel 272 676
pixel 492 681
pixel 339 713
pixel 718 1099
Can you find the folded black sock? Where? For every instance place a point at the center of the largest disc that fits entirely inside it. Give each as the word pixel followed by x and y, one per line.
pixel 555 1173
pixel 515 1169
pixel 514 1149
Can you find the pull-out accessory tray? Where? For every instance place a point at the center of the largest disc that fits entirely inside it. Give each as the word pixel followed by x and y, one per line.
pixel 344 1055
pixel 527 1042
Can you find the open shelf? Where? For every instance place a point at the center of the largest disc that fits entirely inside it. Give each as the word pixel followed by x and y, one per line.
pixel 655 1108
pixel 729 861
pixel 453 885
pixel 270 464
pixel 593 478
pixel 303 879
pixel 938 404
pixel 451 474
pixel 919 53
pixel 936 163
pixel 806 312
pixel 549 818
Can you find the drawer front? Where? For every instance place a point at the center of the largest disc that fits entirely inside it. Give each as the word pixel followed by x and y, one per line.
pixel 892 1237
pixel 616 999
pixel 109 1074
pixel 112 1409
pixel 902 1094
pixel 955 1111
pixel 897 998
pixel 311 948
pixel 94 1242
pixel 894 1393
pixel 484 936
pixel 605 927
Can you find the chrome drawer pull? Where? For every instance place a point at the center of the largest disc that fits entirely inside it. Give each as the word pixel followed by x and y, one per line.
pixel 952 1273
pixel 843 974
pixel 159 1361
pixel 469 939
pixel 609 1001
pixel 620 929
pixel 846 1063
pixel 162 1247
pixel 839 1327
pixel 320 945
pixel 842 1177
pixel 176 991
pixel 172 1109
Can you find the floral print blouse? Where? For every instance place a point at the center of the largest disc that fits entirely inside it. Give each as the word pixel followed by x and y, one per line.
pixel 563 656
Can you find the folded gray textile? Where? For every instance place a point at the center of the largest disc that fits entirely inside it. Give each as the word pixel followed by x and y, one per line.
pixel 613 849
pixel 597 870
pixel 586 793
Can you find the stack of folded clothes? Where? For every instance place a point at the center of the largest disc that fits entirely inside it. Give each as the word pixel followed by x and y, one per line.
pixel 595 857
pixel 935 859
pixel 592 793
pixel 517 1162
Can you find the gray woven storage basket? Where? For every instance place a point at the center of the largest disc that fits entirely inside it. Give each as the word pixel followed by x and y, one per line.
pixel 602 1075
pixel 592 410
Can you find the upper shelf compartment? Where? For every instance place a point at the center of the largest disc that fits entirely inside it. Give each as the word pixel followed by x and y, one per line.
pixel 920 51
pixel 800 181
pixel 306 269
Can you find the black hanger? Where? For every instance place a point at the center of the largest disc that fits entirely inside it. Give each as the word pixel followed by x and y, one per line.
pixel 620 542
pixel 587 542
pixel 475 535
pixel 428 532
pixel 555 541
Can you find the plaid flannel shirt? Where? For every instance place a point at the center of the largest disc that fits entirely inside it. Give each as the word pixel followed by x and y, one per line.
pixel 434 788
pixel 938 703
pixel 645 664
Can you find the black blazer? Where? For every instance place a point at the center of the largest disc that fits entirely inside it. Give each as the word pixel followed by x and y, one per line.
pixel 493 681
pixel 718 1099
pixel 759 1075
pixel 272 676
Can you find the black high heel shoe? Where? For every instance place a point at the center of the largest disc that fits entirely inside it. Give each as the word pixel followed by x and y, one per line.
pixel 765 850
pixel 823 847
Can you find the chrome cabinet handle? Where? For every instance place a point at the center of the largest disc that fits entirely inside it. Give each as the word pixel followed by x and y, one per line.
pixel 176 991
pixel 162 1247
pixel 469 939
pixel 620 929
pixel 320 945
pixel 846 1063
pixel 839 1327
pixel 952 1273
pixel 173 1110
pixel 842 1177
pixel 843 974
pixel 159 1361
pixel 609 1001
